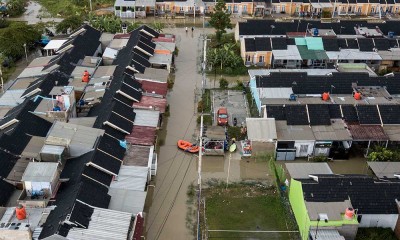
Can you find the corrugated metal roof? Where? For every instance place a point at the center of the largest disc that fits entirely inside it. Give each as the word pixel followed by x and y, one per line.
pixel 153 103
pixel 261 129
pixel 367 132
pixel 310 72
pixel 142 135
pixel 127 200
pixel 297 132
pixel 153 74
pixel 78 138
pixel 303 170
pixel 353 54
pixel 385 169
pixel 110 53
pixel 131 178
pixel 291 53
pixel 105 224
pixel 314 43
pixel 40 172
pixel 337 131
pixel 148 118
pixel 326 234
pixel 12 97
pixel 139 156
pixel 275 92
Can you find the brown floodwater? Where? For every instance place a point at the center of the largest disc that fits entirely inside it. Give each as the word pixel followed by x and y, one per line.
pixel 167 216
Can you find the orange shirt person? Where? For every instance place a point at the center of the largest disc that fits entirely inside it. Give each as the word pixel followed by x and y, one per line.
pixel 86 76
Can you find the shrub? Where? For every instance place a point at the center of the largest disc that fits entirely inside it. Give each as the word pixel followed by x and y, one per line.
pixel 223 83
pixel 320 159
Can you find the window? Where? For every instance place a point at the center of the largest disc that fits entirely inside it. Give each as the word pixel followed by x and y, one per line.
pixel 261 59
pixel 229 8
pixel 245 8
pixel 283 8
pixel 372 9
pixel 248 58
pixel 235 8
pixel 181 9
pixel 359 10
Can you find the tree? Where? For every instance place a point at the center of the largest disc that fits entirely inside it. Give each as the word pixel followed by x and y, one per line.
pixel 15 36
pixel 220 19
pixel 72 23
pixel 158 26
pixel 15 7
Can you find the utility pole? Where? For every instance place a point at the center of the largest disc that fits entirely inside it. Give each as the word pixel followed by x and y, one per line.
pixel 2 81
pixel 90 3
pixel 199 178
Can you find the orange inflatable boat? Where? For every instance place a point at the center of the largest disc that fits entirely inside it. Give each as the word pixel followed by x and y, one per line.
pixel 187 146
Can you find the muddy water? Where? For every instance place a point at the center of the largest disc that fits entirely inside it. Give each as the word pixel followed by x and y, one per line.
pixel 177 170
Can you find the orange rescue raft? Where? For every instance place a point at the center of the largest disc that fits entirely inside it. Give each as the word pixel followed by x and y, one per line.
pixel 187 146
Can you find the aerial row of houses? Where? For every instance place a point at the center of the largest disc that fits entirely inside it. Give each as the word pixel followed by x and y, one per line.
pixel 78 134
pixel 140 8
pixel 311 44
pixel 318 100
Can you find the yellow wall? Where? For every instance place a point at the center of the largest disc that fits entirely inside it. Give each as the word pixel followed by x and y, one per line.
pixel 267 57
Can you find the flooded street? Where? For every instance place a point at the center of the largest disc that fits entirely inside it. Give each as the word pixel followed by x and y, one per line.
pixel 32 15
pixel 167 217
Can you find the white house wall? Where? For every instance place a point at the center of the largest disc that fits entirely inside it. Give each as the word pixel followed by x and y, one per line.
pixel 379 220
pixel 298 146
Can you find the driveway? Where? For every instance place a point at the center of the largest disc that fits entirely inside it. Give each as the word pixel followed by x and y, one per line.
pixel 234 101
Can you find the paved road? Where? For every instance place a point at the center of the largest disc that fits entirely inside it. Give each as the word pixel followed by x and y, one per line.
pixel 176 170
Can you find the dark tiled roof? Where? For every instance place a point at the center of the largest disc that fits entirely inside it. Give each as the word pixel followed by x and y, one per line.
pixel 142 61
pixel 296 114
pixel 366 44
pixel 94 194
pixel 111 146
pixel 131 92
pixel 382 44
pixel 390 114
pixel 124 110
pixel 145 47
pixel 107 162
pixel 279 43
pixel 319 114
pixel 330 44
pixel 81 214
pixel 6 190
pixel 368 114
pixel 123 99
pixel 393 43
pixel 97 175
pixel 349 113
pixel 263 44
pixel 342 43
pixel 141 54
pixel 367 195
pixel 139 67
pixel 120 122
pixel 318 84
pixel 277 112
pixel 131 81
pixel 150 30
pixel 66 195
pixel 334 111
pixel 352 43
pixel 114 132
pixel 249 45
pixel 9 142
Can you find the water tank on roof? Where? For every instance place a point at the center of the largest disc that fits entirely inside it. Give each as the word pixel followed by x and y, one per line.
pixel 391 34
pixel 316 31
pixel 349 214
pixel 20 212
pixel 292 97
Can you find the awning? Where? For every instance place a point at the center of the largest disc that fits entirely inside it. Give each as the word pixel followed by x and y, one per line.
pixel 321 5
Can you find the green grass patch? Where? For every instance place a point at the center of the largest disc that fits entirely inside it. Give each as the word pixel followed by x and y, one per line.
pixel 375 234
pixel 204 105
pixel 252 105
pixel 67 8
pixel 235 132
pixel 245 207
pixel 207 120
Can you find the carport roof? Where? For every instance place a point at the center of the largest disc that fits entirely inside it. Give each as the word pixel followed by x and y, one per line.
pixel 261 129
pixel 337 131
pixel 385 169
pixel 303 170
pixel 293 132
pixel 367 132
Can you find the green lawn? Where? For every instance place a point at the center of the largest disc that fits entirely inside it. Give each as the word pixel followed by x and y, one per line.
pixel 375 234
pixel 244 207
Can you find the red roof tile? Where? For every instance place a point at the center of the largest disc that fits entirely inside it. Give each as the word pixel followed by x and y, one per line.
pixel 146 102
pixel 155 87
pixel 142 136
pixel 367 132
